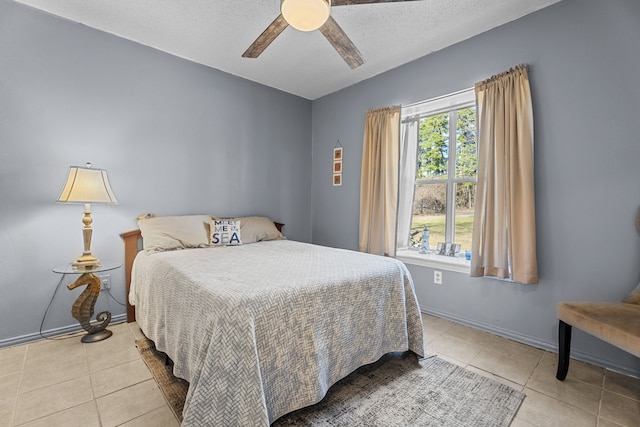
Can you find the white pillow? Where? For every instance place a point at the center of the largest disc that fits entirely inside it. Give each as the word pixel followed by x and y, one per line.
pixel 225 232
pixel 166 233
pixel 258 228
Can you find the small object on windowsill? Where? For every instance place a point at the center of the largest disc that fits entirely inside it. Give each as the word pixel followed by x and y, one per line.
pixel 424 248
pixel 448 249
pixel 454 250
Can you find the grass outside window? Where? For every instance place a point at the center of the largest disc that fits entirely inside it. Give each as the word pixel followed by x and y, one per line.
pixel 436 225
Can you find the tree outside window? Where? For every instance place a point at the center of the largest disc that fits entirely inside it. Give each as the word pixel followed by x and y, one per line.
pixel 445 186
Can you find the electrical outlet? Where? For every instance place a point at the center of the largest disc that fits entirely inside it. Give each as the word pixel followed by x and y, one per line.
pixel 437 277
pixel 106 281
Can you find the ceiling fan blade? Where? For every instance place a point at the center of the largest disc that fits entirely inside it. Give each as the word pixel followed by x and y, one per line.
pixel 264 40
pixel 339 40
pixel 351 2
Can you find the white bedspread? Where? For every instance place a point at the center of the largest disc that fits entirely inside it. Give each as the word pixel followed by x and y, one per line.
pixel 263 329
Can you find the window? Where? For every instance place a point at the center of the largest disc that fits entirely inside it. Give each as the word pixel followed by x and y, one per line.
pixel 444 170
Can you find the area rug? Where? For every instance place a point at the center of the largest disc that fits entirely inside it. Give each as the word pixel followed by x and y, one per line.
pixel 398 390
pixel 174 389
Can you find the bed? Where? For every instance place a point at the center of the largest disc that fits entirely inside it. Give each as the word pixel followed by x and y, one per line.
pixel 264 328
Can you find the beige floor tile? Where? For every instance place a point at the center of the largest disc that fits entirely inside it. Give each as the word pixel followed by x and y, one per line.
pixel 84 415
pixel 622 384
pixel 53 372
pixel 129 396
pixel 428 351
pixel 137 332
pixel 505 366
pixel 113 357
pixel 434 327
pixel 516 350
pixel 475 336
pixel 548 367
pixel 519 422
pixel 122 325
pixel 12 359
pixel 52 399
pixel 113 379
pixel 545 411
pixel 6 411
pixel 620 409
pixel 52 351
pixel 121 330
pixel 430 336
pixel 582 387
pixel 455 347
pixel 161 417
pixel 122 337
pixel 9 385
pixel 603 422
pixel 129 403
pixel 582 395
pixel 508 359
pixel 436 323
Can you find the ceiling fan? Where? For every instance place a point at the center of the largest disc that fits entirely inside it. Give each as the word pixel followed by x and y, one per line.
pixel 310 15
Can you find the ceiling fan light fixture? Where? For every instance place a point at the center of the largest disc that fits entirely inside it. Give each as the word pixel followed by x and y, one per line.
pixel 306 15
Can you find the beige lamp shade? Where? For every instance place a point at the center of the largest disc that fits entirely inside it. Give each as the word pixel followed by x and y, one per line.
pixel 87 185
pixel 306 15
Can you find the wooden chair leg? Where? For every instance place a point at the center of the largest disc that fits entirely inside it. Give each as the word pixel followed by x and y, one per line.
pixel 564 349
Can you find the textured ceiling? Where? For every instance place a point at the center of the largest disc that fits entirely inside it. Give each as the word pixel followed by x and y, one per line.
pixel 216 32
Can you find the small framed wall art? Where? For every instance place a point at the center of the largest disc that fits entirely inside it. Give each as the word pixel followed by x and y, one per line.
pixel 337 153
pixel 337 164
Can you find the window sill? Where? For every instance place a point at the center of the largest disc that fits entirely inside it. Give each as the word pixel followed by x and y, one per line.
pixel 458 264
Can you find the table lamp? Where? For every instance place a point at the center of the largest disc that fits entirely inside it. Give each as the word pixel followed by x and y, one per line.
pixel 87 185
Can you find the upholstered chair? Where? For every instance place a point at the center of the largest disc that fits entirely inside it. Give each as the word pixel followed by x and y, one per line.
pixel 615 323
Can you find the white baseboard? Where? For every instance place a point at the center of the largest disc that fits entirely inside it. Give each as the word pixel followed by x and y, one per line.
pixel 119 318
pixel 543 345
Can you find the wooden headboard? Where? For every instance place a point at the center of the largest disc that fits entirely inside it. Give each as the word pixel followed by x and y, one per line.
pixel 132 245
pixel 132 241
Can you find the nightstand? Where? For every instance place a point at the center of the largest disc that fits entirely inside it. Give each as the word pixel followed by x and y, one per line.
pixel 82 309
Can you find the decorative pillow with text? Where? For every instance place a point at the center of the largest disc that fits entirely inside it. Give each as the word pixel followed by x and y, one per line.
pixel 225 232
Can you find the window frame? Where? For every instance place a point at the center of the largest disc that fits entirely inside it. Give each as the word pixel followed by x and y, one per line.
pixel 452 180
pixel 450 103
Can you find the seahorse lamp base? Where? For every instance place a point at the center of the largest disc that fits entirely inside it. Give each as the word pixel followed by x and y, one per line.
pixel 82 309
pixel 98 336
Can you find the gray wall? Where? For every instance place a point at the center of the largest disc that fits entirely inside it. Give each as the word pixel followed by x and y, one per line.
pixel 584 60
pixel 179 138
pixel 175 137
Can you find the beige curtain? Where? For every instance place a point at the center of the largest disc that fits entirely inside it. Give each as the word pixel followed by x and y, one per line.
pixel 504 234
pixel 407 179
pixel 379 182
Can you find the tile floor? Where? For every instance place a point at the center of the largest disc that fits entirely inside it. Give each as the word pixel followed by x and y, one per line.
pixel 66 383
